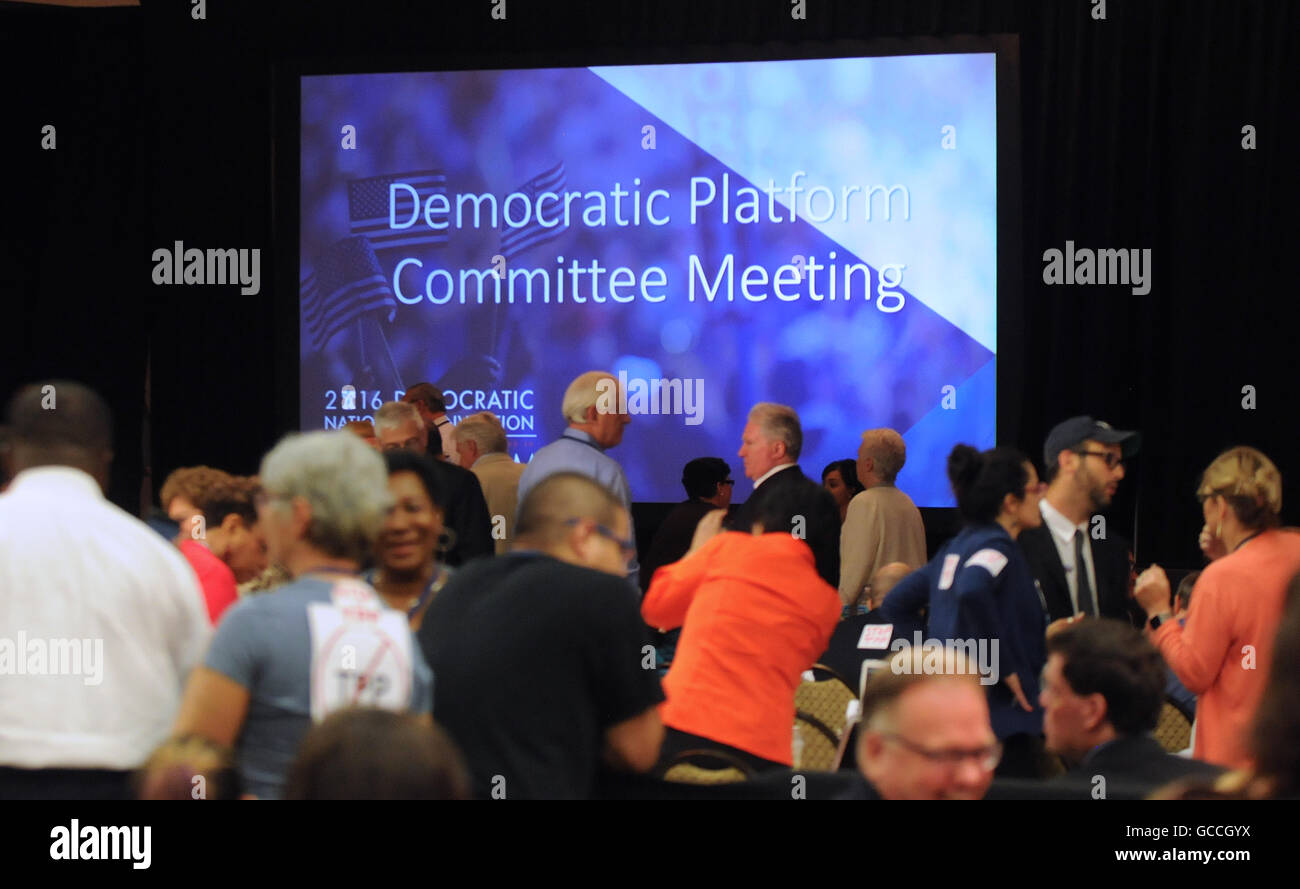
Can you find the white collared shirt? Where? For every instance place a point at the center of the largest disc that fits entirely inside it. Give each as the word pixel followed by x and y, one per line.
pixel 771 472
pixel 1063 531
pixel 101 620
pixel 446 429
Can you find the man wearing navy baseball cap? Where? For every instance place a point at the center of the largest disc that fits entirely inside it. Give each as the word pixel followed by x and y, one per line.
pixel 1079 573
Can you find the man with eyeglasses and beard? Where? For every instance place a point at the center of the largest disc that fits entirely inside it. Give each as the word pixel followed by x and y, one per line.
pixel 1081 575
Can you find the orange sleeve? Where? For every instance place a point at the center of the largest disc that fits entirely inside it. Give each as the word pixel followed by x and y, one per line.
pixel 830 617
pixel 673 586
pixel 1195 652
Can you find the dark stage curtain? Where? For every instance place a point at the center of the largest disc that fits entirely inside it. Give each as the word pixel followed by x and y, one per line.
pixel 1131 138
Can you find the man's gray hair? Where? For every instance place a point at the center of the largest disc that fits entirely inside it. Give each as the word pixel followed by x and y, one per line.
pixel 584 392
pixel 485 430
pixel 779 422
pixel 887 450
pixel 343 479
pixel 394 413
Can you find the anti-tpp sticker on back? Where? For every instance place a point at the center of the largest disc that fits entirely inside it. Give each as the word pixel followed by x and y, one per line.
pixel 876 636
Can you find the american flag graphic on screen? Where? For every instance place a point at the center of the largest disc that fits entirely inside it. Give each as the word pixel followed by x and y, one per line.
pixel 516 240
pixel 368 210
pixel 346 284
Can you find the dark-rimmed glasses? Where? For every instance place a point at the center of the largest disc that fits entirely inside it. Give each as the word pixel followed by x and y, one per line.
pixel 1110 458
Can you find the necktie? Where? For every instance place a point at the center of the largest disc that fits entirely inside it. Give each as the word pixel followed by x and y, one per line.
pixel 1081 567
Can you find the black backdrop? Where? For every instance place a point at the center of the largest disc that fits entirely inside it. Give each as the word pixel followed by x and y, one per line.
pixel 1131 137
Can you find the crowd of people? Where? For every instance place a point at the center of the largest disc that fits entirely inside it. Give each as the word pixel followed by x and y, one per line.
pixel 399 609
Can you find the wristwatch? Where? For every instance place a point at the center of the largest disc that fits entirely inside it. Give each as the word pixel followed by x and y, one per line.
pixel 1160 618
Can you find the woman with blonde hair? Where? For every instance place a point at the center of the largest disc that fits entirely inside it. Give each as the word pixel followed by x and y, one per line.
pixel 1224 651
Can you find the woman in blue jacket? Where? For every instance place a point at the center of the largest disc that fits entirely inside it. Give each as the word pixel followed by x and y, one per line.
pixel 979 591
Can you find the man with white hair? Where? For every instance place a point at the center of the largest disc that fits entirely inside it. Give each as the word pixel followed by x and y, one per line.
pixel 770 447
pixel 882 524
pixel 593 429
pixel 481 447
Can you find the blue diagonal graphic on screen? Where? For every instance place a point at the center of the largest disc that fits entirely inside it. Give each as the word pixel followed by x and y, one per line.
pixel 962 414
pixel 850 123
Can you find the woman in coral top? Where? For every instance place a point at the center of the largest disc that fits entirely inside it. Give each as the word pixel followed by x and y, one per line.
pixel 1224 651
pixel 754 615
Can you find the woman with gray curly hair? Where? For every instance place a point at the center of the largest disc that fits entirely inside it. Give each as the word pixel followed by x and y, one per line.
pixel 321 642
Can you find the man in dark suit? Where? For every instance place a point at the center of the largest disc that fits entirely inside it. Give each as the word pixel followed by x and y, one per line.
pixel 708 485
pixel 1079 572
pixel 398 425
pixel 1103 690
pixel 770 447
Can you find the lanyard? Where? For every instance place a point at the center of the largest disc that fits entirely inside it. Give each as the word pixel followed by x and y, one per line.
pixel 435 583
pixel 589 444
pixel 1246 541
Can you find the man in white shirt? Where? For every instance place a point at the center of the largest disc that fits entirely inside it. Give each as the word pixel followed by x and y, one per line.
pixel 1084 460
pixel 100 618
pixel 432 405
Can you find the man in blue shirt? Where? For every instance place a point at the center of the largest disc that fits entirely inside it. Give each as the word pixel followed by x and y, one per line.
pixel 591 410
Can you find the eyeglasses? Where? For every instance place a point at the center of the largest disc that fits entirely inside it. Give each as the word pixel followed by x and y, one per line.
pixel 627 546
pixel 727 481
pixel 1108 456
pixel 986 757
pixel 1201 498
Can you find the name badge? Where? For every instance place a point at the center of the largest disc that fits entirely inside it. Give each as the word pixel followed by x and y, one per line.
pixel 360 652
pixel 875 636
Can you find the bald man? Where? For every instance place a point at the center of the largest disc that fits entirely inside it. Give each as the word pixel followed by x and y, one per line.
pixel 81 576
pixel 543 665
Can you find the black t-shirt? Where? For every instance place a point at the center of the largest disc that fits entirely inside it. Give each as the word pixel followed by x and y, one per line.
pixel 533 659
